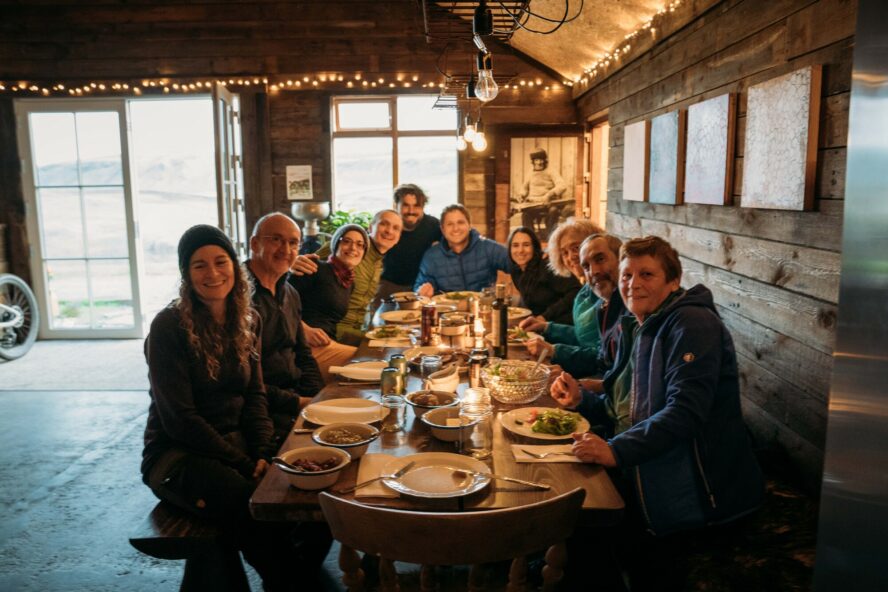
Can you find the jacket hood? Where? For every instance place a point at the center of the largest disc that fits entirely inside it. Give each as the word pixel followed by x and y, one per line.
pixel 474 237
pixel 698 295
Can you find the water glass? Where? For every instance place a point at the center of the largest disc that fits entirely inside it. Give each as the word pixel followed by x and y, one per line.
pixel 396 418
pixel 429 365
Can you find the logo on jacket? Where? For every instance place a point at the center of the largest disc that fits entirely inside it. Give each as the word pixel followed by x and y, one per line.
pixel 688 357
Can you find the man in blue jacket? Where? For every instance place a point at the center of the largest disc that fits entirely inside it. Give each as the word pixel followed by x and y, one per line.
pixel 463 260
pixel 679 438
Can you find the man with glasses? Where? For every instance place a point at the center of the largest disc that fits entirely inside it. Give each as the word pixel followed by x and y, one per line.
pixel 385 232
pixel 291 373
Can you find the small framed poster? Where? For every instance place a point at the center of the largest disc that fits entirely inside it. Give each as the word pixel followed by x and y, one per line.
pixel 299 182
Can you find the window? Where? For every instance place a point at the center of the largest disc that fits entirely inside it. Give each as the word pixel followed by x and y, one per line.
pixel 381 142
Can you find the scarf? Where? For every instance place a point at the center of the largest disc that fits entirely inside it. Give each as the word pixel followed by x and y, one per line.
pixel 344 274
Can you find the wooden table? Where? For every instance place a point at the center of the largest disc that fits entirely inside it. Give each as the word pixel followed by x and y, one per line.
pixel 274 499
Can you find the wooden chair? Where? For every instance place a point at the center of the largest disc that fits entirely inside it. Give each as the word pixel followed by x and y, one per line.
pixel 453 538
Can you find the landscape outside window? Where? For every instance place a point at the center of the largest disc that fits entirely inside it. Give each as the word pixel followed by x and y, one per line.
pixel 382 141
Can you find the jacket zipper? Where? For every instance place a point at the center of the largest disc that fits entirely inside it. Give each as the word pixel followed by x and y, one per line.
pixel 703 475
pixel 632 400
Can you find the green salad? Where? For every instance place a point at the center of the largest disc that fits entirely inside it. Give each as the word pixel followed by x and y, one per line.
pixel 554 421
pixel 458 295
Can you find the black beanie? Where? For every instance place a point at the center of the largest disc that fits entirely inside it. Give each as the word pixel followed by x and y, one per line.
pixel 201 236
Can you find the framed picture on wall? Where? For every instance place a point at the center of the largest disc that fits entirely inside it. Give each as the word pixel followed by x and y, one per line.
pixel 636 160
pixel 782 117
pixel 666 174
pixel 542 182
pixel 709 162
pixel 299 183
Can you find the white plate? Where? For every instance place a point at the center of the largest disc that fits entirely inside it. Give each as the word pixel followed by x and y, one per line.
pixel 433 475
pixel 508 421
pixel 402 333
pixel 370 370
pixel 447 296
pixel 407 297
pixel 516 312
pixel 530 335
pixel 343 410
pixel 401 316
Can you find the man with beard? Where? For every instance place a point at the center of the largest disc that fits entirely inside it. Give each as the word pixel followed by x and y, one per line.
pixel 385 232
pixel 291 373
pixel 401 263
pixel 588 347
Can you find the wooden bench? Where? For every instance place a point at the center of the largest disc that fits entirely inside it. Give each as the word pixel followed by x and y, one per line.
pixel 211 563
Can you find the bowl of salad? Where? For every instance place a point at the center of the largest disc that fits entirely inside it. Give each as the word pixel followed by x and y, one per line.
pixel 515 382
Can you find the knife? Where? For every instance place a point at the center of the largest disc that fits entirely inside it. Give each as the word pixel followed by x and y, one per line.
pixel 396 475
pixel 501 478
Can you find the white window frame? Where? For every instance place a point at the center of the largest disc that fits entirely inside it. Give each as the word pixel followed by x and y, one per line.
pixel 391 132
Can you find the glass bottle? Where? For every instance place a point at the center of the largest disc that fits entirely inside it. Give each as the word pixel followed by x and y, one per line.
pixel 476 415
pixel 500 321
pixel 477 360
pixel 429 319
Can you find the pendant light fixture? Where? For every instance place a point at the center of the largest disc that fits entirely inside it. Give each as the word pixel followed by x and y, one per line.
pixel 486 88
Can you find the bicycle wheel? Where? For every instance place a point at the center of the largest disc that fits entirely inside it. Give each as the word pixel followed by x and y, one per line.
pixel 23 320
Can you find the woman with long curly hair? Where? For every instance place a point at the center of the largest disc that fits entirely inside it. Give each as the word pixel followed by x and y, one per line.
pixel 209 436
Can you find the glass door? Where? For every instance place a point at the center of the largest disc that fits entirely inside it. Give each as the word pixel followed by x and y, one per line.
pixel 229 167
pixel 76 176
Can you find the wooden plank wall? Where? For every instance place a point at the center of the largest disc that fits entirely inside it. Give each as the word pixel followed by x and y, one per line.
pixel 106 41
pixel 774 274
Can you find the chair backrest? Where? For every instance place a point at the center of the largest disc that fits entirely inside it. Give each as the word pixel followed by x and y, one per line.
pixel 452 538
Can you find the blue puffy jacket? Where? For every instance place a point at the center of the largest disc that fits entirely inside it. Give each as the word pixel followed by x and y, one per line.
pixel 472 269
pixel 687 451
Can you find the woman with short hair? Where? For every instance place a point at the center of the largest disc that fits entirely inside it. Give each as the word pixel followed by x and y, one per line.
pixel 564 246
pixel 546 295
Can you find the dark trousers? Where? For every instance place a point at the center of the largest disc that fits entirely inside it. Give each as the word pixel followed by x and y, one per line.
pixel 207 487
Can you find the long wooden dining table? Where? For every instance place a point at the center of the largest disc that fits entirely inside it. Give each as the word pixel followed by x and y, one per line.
pixel 275 500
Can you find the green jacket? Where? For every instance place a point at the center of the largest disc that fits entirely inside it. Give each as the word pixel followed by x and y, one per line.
pixel 576 346
pixel 350 330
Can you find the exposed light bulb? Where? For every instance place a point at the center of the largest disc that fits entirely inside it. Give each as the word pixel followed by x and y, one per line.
pixel 469 134
pixel 461 144
pixel 486 88
pixel 479 143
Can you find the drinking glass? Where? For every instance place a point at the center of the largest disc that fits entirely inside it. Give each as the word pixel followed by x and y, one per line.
pixel 396 418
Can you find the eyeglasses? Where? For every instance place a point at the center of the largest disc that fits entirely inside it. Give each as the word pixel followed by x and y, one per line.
pixel 350 242
pixel 277 240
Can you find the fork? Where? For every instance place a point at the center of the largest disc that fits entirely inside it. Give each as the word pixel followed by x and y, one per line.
pixel 397 474
pixel 545 454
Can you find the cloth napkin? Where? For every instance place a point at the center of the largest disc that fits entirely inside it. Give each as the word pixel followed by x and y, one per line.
pixel 555 458
pixel 371 466
pixel 399 342
pixel 359 372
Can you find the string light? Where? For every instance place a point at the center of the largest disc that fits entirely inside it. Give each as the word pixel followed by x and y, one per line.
pixel 590 72
pixel 149 86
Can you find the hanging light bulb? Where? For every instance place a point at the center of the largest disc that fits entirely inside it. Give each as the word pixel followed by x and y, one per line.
pixel 479 141
pixel 486 88
pixel 469 131
pixel 461 143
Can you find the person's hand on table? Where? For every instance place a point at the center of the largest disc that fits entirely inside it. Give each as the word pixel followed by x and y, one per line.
pixel 591 448
pixel 554 372
pixel 566 391
pixel 261 467
pixel 537 323
pixel 305 265
pixel 596 385
pixel 427 290
pixel 537 345
pixel 315 337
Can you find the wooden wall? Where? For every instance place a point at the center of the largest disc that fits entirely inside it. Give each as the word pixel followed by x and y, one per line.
pixel 79 41
pixel 774 274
